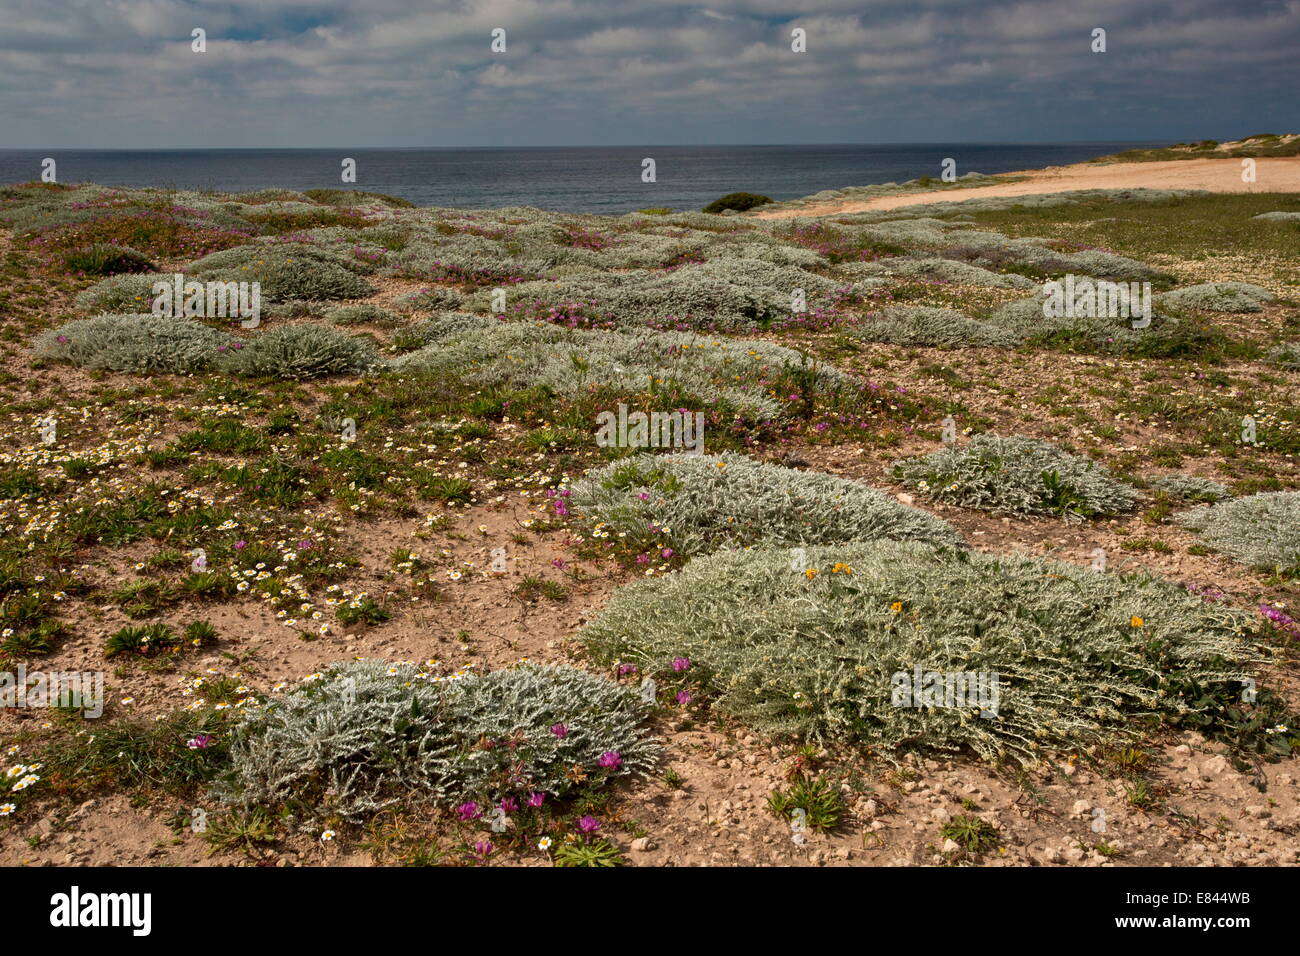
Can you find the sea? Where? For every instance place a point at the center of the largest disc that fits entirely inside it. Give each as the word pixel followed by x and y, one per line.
pixel 604 180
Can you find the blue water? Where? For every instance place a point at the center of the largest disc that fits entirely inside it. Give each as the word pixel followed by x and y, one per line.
pixel 605 180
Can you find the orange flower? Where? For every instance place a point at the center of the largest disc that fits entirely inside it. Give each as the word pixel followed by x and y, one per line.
pixel 1136 621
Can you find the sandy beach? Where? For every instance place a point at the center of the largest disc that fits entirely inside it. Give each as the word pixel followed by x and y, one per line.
pixel 1214 175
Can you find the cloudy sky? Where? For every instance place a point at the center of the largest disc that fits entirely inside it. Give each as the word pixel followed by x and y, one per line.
pixel 122 74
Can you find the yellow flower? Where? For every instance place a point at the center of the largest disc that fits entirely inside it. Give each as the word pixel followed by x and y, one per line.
pixel 811 573
pixel 1136 621
pixel 897 607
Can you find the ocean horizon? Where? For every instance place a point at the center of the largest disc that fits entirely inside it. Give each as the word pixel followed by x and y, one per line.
pixel 604 180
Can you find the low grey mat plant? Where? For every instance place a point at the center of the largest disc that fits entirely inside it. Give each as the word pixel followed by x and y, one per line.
pixel 366 735
pixel 1019 476
pixel 572 361
pixel 936 328
pixel 122 294
pixel 300 352
pixel 1218 297
pixel 364 314
pixel 285 272
pixel 1081 657
pixel 133 343
pixel 1191 487
pixel 1166 336
pixel 709 502
pixel 1286 355
pixel 1262 530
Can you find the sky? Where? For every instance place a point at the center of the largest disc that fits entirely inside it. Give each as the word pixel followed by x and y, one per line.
pixel 325 73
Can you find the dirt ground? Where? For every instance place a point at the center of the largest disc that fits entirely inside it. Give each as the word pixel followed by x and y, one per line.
pixel 1213 175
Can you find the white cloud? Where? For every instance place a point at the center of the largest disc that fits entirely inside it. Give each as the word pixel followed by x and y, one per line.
pixel 121 72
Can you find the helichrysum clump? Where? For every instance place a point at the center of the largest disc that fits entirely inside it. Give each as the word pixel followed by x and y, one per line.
pixel 940 270
pixel 364 314
pixel 133 343
pixel 285 272
pixel 301 351
pixel 1261 530
pixel 364 735
pixel 1019 476
pixel 1286 355
pixel 1219 297
pixel 707 502
pixel 122 294
pixel 937 328
pixel 1191 487
pixel 1080 656
pixel 574 361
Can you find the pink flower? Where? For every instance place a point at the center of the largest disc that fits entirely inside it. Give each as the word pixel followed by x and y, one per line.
pixel 560 730
pixel 681 663
pixel 626 669
pixel 610 759
pixel 536 799
pixel 666 552
pixel 469 811
pixel 643 559
pixel 509 804
pixel 588 824
pixel 559 563
pixel 483 849
pixel 683 698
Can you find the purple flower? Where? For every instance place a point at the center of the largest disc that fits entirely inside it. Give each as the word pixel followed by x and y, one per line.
pixel 469 811
pixel 240 545
pixel 610 759
pixel 588 824
pixel 483 849
pixel 624 669
pixel 560 730
pixel 683 698
pixel 509 804
pixel 643 559
pixel 199 742
pixel 536 799
pixel 681 663
pixel 559 563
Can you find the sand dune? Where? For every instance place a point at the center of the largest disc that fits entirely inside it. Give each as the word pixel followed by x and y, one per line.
pixel 1215 175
